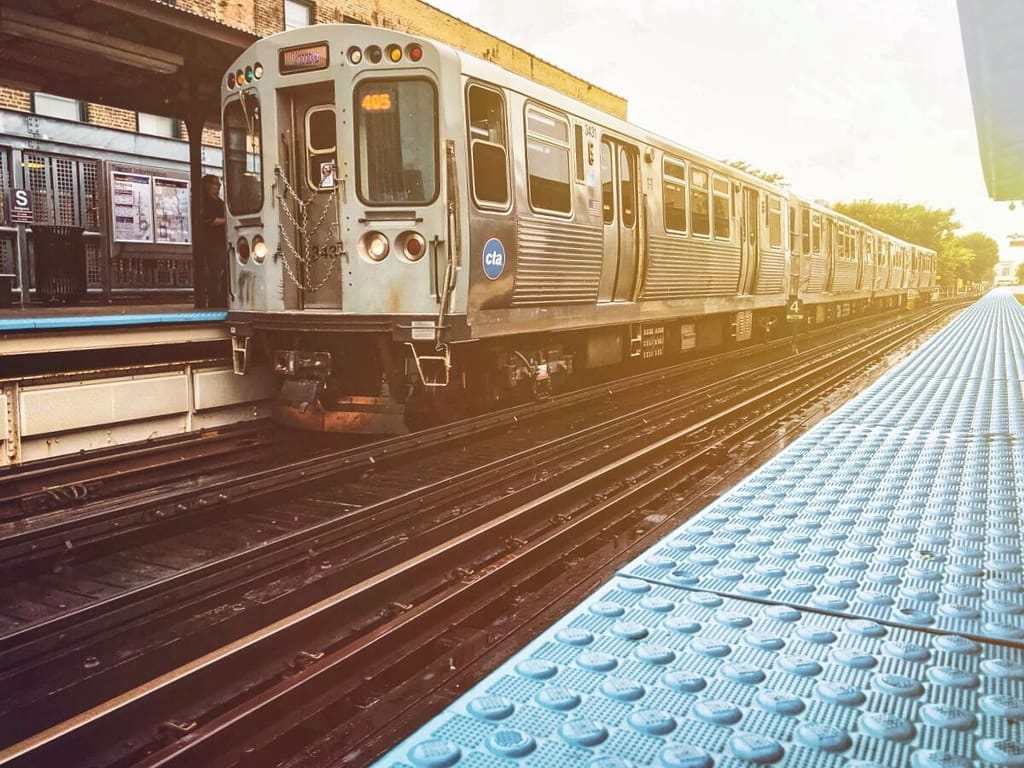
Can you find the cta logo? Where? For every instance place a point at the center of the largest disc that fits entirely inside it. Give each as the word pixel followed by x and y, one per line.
pixel 494 258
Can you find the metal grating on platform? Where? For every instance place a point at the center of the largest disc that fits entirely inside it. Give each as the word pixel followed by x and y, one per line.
pixel 803 618
pixel 642 674
pixel 903 506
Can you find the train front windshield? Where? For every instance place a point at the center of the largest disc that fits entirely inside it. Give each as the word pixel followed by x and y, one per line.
pixel 243 154
pixel 397 141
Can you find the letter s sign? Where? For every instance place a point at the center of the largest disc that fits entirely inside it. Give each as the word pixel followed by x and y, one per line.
pixel 493 258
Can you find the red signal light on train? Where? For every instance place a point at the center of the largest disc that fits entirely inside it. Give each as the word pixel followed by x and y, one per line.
pixel 414 52
pixel 231 81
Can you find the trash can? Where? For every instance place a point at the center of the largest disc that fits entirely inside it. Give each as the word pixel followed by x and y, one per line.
pixel 58 254
pixel 6 289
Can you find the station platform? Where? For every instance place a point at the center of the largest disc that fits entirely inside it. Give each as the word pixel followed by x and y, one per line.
pixel 40 330
pixel 857 601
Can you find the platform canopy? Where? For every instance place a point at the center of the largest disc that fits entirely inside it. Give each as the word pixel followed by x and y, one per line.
pixel 142 55
pixel 993 35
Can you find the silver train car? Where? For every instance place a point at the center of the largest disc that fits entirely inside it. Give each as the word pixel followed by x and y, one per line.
pixel 415 231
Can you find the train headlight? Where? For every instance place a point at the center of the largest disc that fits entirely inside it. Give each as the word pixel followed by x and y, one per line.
pixel 242 247
pixel 373 53
pixel 413 245
pixel 355 55
pixel 258 70
pixel 374 246
pixel 259 249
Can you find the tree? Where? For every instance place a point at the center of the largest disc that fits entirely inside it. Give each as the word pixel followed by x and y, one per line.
pixel 772 178
pixel 954 260
pixel 916 224
pixel 986 256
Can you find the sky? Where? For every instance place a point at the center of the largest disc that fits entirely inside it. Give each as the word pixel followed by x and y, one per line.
pixel 847 99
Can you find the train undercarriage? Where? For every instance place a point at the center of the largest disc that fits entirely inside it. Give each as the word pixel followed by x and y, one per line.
pixel 365 382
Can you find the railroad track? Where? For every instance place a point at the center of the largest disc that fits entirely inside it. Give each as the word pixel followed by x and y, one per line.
pixel 356 575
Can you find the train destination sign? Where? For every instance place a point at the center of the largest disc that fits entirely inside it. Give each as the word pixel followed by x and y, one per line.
pixel 304 58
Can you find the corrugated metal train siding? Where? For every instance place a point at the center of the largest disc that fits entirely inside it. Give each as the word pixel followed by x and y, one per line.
pixel 771 273
pixel 558 263
pixel 685 268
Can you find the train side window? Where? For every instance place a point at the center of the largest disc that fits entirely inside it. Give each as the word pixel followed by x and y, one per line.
pixel 547 161
pixel 816 235
pixel 720 188
pixel 774 222
pixel 607 191
pixel 805 231
pixel 627 194
pixel 674 194
pixel 488 142
pixel 700 204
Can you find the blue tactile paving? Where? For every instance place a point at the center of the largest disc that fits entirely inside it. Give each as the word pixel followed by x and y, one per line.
pixel 78 322
pixel 902 507
pixel 858 602
pixel 642 674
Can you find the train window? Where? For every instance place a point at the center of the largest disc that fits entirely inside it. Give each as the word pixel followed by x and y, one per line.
pixel 700 204
pixel 805 231
pixel 674 194
pixel 607 190
pixel 628 193
pixel 488 140
pixel 547 161
pixel 396 141
pixel 321 138
pixel 243 154
pixel 720 187
pixel 774 221
pixel 816 234
pixel 841 241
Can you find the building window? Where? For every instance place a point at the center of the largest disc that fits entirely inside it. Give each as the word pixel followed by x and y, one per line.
pixel 56 106
pixel 297 14
pixel 158 125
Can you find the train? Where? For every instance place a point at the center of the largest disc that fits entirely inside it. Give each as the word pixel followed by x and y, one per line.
pixel 417 232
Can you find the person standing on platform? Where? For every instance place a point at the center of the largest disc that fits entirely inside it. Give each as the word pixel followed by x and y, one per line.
pixel 215 265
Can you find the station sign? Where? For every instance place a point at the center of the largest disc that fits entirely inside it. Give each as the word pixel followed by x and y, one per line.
pixel 19 204
pixel 794 309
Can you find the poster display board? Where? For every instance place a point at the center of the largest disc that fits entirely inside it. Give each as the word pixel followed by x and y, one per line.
pixel 172 210
pixel 150 209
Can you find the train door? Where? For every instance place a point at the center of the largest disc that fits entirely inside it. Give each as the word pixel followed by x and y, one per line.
pixel 620 205
pixel 751 245
pixel 308 196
